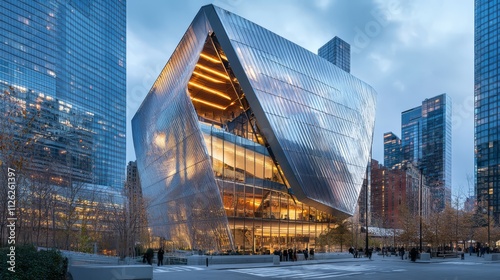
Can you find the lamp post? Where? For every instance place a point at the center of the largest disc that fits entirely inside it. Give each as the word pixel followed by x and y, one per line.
pixel 489 192
pixel 420 198
pixel 366 206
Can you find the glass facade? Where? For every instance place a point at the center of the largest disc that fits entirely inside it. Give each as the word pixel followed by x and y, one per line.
pixel 66 59
pixel 426 141
pixel 338 52
pixel 249 142
pixel 393 156
pixel 486 104
pixel 411 133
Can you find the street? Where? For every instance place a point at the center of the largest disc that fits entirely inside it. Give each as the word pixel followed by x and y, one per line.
pixel 378 268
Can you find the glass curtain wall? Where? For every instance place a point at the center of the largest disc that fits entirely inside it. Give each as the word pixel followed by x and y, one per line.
pixel 261 214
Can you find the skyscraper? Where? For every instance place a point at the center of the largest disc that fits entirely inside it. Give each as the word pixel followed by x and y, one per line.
pixel 426 141
pixel 338 52
pixel 393 157
pixel 248 141
pixel 487 103
pixel 62 63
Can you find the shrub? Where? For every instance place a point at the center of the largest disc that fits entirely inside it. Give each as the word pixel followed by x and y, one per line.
pixel 32 264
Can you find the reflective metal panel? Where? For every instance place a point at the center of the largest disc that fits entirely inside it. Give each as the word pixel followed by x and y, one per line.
pixel 183 199
pixel 273 106
pixel 318 119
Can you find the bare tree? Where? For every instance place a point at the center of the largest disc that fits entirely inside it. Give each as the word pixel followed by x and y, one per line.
pixel 16 142
pixel 409 226
pixel 68 202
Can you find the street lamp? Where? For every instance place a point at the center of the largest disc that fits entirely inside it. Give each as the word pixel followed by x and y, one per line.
pixel 420 198
pixel 368 181
pixel 489 193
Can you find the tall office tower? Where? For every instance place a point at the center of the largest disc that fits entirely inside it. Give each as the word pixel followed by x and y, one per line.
pixel 486 121
pixel 136 210
pixel 411 131
pixel 62 77
pixel 393 156
pixel 338 52
pixel 426 141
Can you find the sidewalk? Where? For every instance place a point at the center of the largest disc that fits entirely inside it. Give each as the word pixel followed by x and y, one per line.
pixel 467 259
pixel 348 258
pixel 375 258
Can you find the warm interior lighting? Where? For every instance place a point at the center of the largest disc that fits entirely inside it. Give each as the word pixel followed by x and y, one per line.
pixel 208 103
pixel 222 75
pixel 207 77
pixel 219 93
pixel 210 58
pixel 160 140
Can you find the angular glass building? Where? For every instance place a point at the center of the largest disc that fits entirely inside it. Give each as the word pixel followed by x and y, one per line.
pixel 486 105
pixel 248 142
pixel 63 64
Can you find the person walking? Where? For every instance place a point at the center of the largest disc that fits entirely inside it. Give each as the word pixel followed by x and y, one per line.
pixel 413 254
pixel 149 256
pixel 311 253
pixel 160 256
pixel 306 254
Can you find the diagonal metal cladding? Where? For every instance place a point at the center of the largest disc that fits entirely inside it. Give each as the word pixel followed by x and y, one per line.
pixel 317 119
pixel 184 202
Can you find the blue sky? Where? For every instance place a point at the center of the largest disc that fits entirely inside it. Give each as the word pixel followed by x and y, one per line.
pixel 407 50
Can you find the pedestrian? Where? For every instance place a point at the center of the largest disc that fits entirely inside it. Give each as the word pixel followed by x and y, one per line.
pixel 402 252
pixel 413 254
pixel 149 256
pixel 369 253
pixel 290 254
pixel 306 254
pixel 160 256
pixel 311 253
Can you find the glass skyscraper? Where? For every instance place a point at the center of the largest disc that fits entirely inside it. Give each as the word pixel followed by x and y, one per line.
pixel 248 142
pixel 486 105
pixel 62 63
pixel 338 52
pixel 393 156
pixel 426 141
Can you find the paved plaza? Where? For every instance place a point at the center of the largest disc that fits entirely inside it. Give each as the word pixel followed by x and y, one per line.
pixel 379 267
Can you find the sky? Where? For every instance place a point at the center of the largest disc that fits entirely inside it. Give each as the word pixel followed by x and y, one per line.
pixel 406 50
